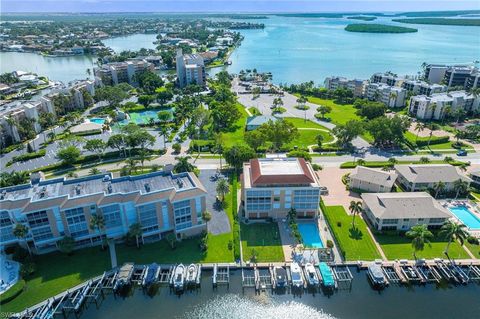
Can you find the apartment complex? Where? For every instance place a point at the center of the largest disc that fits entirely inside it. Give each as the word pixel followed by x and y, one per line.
pixel 190 69
pixel 371 180
pixel 438 105
pixel 121 72
pixel 386 78
pixel 402 211
pixel 391 96
pixel 11 114
pixel 273 186
pixel 161 202
pixel 421 177
pixel 356 86
pixel 466 76
pixel 416 87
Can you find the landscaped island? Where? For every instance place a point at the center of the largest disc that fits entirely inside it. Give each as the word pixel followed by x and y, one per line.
pixel 377 28
pixel 363 18
pixel 441 21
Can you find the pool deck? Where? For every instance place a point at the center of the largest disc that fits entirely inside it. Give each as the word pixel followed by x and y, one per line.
pixel 472 207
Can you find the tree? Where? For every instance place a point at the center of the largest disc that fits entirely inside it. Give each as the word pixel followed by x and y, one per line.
pixel 224 115
pixel 66 245
pixel 222 188
pixel 460 186
pixel 143 155
pixel 97 223
pixel 46 120
pixel 345 134
pixel 319 139
pixel 420 236
pixel 278 132
pixel 68 155
pixel 164 116
pixel 20 231
pixel 424 160
pixel 419 127
pixel 146 100
pixel 131 166
pixel 254 139
pixel 112 94
pixel 96 146
pixel 452 231
pixel 177 147
pixel 387 131
pixel 94 171
pixel 370 110
pixel 448 159
pixel 135 230
pixel 118 141
pixel 13 178
pixel 164 96
pixel 183 165
pixel 277 102
pixel 149 81
pixel 164 131
pixel 323 109
pixel 172 240
pixel 439 188
pixel 206 217
pixel 355 208
pixel 236 155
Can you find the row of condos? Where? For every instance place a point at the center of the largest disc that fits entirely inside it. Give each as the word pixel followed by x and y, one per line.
pixel 161 202
pixel 271 187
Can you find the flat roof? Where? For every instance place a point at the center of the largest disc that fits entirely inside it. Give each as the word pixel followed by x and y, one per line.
pixel 279 171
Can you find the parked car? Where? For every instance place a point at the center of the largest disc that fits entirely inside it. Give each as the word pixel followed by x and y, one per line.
pixel 323 190
pixel 462 153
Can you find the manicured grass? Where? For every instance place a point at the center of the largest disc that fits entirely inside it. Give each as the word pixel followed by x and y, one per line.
pixel 254 111
pixel 307 137
pixel 384 163
pixel 57 272
pixel 474 249
pixel 357 245
pixel 340 114
pixel 265 239
pixel 398 247
pixel 235 136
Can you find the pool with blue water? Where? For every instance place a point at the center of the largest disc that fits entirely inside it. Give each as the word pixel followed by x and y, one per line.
pixel 310 234
pixel 466 216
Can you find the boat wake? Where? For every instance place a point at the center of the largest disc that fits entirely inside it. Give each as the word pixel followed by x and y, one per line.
pixel 236 307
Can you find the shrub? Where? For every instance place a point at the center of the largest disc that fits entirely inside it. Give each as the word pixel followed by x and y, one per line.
pixel 302 154
pixel 27 269
pixel 13 292
pixel 329 243
pixel 302 107
pixel 339 224
pixel 26 157
pixel 66 245
pixel 177 148
pixel 317 167
pixel 20 255
pixel 473 240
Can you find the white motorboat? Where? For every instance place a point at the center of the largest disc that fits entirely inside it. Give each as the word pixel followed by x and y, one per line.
pixel 179 277
pixel 296 272
pixel 377 276
pixel 192 274
pixel 311 275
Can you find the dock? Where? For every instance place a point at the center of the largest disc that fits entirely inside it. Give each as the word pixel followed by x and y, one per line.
pixel 343 276
pixel 165 275
pixel 221 275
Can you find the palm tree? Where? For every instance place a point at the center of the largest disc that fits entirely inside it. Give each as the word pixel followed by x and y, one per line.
pixel 222 188
pixel 355 208
pixel 458 135
pixel 460 186
pixel 453 231
pixel 21 232
pixel 439 188
pixel 143 155
pixel 420 236
pixel 424 160
pixel 448 159
pixel 183 165
pixel 94 171
pixel 206 217
pixel 360 162
pixel 392 161
pixel 71 174
pixel 97 222
pixel 135 230
pixel 163 132
pixel 131 166
pixel 419 127
pixel 432 128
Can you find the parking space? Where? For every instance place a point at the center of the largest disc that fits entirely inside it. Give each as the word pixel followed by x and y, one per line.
pixel 331 177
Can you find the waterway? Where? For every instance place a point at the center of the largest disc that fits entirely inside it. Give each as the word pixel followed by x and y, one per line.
pixel 360 302
pixel 299 49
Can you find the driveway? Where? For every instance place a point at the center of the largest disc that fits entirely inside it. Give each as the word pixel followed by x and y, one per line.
pixel 219 224
pixel 331 177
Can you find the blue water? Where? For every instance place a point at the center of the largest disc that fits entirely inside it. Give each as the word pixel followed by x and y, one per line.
pixel 310 235
pixel 97 120
pixel 466 216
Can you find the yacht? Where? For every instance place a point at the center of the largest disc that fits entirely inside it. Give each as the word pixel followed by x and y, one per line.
pixel 280 277
pixel 191 274
pixel 179 277
pixel 151 275
pixel 311 275
pixel 376 275
pixel 296 272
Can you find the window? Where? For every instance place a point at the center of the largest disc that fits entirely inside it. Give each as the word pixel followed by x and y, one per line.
pixel 437 220
pixel 259 200
pixel 306 199
pixel 390 221
pixel 5 219
pixel 165 217
pixel 39 226
pixel 112 216
pixel 147 216
pixel 276 205
pixel 76 222
pixel 406 219
pixel 183 215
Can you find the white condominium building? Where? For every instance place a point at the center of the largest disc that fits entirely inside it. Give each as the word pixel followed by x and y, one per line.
pixel 437 106
pixel 356 86
pixel 423 88
pixel 121 72
pixel 391 96
pixel 190 69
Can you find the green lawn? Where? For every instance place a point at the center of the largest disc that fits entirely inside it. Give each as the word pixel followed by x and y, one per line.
pixel 379 164
pixel 235 136
pixel 340 114
pixel 307 137
pixel 265 239
pixel 474 249
pixel 358 245
pixel 397 247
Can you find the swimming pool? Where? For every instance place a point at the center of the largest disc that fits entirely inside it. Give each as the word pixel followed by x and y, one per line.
pixel 310 235
pixel 97 120
pixel 466 216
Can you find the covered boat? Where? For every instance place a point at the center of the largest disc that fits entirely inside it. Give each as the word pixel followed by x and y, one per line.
pixel 151 275
pixel 124 275
pixel 376 275
pixel 280 277
pixel 328 281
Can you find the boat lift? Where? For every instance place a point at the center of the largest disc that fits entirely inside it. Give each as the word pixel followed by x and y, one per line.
pixel 165 275
pixel 221 275
pixel 343 276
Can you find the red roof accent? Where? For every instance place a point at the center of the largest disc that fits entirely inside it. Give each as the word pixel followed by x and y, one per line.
pixel 300 179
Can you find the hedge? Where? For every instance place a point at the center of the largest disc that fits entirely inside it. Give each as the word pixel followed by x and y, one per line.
pixel 13 292
pixel 236 225
pixel 378 164
pixel 435 140
pixel 26 157
pixel 203 144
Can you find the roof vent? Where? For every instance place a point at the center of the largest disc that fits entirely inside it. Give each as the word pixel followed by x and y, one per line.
pixel 106 178
pixel 179 183
pixel 109 188
pixel 3 194
pixel 147 187
pixel 78 189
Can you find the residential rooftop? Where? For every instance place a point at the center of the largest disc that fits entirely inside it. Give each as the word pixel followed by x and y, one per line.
pixel 404 205
pixel 374 176
pixel 430 173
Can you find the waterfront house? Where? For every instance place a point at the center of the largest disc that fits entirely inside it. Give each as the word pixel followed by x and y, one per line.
pixel 273 186
pixel 254 122
pixel 161 202
pixel 371 180
pixel 421 177
pixel 402 211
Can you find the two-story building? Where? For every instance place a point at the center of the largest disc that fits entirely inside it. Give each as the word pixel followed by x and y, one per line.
pixel 273 186
pixel 371 180
pixel 161 202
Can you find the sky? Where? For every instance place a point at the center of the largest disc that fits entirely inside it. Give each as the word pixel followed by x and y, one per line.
pixel 258 6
